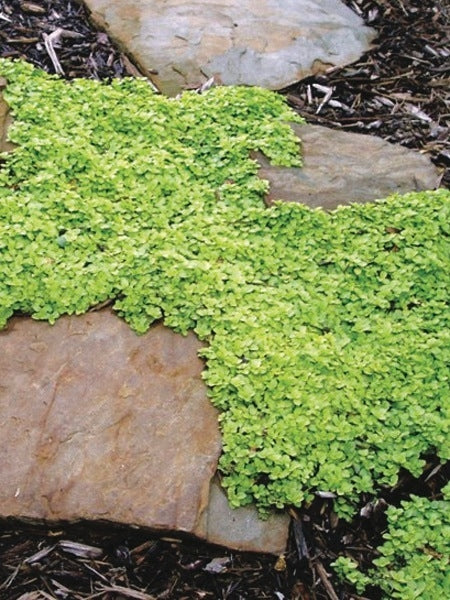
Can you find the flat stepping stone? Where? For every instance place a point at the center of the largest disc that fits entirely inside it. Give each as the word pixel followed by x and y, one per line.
pixel 341 168
pixel 270 43
pixel 101 424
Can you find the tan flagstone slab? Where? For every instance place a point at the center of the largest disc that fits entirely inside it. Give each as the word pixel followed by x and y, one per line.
pixel 98 423
pixel 270 43
pixel 341 168
pixel 5 121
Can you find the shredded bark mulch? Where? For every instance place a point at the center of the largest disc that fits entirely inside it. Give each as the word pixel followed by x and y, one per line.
pixel 88 560
pixel 82 51
pixel 399 90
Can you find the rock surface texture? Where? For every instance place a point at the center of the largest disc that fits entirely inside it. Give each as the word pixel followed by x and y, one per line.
pixel 341 168
pixel 5 121
pixel 241 528
pixel 270 43
pixel 101 424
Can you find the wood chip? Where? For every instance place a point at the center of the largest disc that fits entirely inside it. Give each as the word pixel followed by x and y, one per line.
pixel 22 40
pixel 38 556
pixel 125 591
pixel 81 550
pixel 32 8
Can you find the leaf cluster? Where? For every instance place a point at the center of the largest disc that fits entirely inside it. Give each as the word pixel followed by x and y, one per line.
pixel 414 559
pixel 328 336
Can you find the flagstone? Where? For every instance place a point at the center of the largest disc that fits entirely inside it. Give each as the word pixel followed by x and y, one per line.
pixel 341 168
pixel 5 121
pixel 99 423
pixel 270 43
pixel 242 528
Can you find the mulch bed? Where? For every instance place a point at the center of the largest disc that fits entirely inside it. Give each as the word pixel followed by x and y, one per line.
pixel 88 560
pixel 399 91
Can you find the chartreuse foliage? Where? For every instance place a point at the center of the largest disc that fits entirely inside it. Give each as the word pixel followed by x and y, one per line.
pixel 414 560
pixel 327 334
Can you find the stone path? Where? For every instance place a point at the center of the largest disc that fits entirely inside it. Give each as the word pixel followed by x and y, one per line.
pixel 270 43
pixel 108 425
pixel 99 423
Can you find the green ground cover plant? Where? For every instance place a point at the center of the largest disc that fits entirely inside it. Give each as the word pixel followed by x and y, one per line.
pixel 414 559
pixel 327 333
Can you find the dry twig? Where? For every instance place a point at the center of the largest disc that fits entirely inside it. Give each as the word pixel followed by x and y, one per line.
pixel 51 40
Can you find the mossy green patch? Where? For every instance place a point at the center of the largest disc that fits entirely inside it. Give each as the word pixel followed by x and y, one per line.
pixel 328 334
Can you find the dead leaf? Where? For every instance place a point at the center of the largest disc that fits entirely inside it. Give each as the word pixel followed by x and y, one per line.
pixel 280 565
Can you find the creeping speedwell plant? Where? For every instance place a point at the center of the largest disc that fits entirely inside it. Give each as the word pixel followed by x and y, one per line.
pixel 414 559
pixel 327 334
